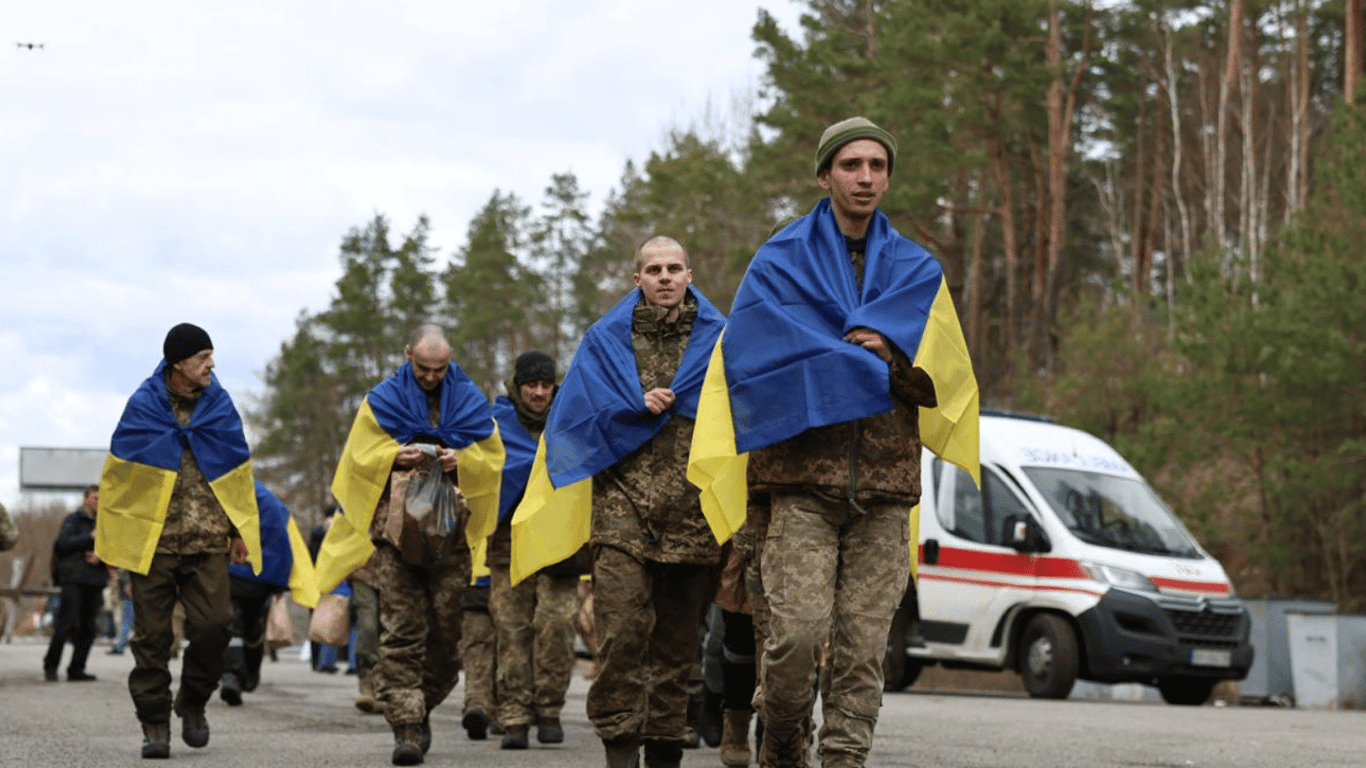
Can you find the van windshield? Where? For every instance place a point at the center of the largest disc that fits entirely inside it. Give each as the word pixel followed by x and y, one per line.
pixel 1110 511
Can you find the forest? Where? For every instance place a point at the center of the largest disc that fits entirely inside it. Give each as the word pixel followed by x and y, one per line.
pixel 1150 215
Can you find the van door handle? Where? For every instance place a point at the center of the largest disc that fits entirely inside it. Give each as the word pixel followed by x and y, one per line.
pixel 929 554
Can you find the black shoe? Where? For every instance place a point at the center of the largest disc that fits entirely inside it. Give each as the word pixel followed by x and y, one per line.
pixel 80 677
pixel 659 754
pixel 516 737
pixel 156 741
pixel 424 739
pixel 476 724
pixel 549 731
pixel 231 689
pixel 495 727
pixel 194 728
pixel 50 675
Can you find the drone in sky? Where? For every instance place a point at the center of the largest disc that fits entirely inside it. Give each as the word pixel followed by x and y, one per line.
pixel 30 46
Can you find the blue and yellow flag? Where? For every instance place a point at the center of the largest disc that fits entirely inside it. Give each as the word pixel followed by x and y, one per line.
pixel 520 449
pixel 783 366
pixel 144 459
pixel 394 414
pixel 285 554
pixel 598 418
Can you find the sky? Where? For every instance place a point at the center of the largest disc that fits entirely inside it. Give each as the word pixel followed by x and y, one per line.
pixel 166 162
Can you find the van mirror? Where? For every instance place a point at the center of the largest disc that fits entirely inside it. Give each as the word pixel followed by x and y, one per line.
pixel 1022 533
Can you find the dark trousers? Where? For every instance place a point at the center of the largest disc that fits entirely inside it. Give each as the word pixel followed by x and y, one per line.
pixel 200 583
pixel 246 649
pixel 75 622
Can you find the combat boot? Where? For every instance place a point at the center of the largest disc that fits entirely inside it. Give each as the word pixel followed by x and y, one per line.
pixel 663 754
pixel 735 751
pixel 156 740
pixel 549 730
pixel 425 739
pixel 407 744
pixel 194 726
pixel 515 737
pixel 622 753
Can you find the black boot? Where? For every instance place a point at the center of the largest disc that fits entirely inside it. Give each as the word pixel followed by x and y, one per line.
pixel 407 744
pixel 156 741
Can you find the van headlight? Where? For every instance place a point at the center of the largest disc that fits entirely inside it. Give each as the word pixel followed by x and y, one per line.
pixel 1119 577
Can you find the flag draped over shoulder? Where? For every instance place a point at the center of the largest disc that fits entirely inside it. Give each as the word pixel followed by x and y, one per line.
pixel 598 418
pixel 783 366
pixel 144 459
pixel 285 554
pixel 394 414
pixel 520 449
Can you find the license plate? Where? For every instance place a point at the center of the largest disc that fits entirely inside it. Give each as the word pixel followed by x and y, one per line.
pixel 1208 657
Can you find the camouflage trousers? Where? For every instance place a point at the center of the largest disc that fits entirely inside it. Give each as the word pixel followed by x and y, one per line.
pixel 419 612
pixel 647 616
pixel 478 649
pixel 200 583
pixel 535 625
pixel 832 575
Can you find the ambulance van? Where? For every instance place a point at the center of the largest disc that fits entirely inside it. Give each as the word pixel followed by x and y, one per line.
pixel 1065 565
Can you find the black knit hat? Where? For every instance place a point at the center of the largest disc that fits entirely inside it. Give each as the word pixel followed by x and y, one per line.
pixel 533 366
pixel 183 341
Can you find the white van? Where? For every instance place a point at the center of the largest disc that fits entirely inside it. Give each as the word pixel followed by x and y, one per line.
pixel 1065 565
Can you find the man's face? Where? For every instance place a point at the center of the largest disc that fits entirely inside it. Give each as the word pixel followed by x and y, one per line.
pixel 92 501
pixel 856 179
pixel 664 276
pixel 197 368
pixel 430 363
pixel 536 395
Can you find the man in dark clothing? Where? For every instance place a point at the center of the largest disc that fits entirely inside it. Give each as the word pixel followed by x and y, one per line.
pixel 83 578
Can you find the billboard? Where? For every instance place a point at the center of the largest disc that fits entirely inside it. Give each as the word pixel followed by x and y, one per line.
pixel 60 469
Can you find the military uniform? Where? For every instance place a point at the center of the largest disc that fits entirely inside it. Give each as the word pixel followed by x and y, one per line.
pixel 838 536
pixel 190 567
pixel 654 561
pixel 479 657
pixel 534 621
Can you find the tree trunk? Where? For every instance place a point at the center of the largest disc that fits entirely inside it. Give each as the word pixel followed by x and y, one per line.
pixel 1353 60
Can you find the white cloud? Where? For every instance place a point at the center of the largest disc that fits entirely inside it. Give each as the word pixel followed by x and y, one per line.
pixel 169 161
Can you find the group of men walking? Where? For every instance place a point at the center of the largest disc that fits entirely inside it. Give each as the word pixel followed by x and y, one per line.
pixel 814 378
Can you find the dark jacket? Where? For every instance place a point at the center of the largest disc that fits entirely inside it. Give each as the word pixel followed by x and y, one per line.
pixel 76 538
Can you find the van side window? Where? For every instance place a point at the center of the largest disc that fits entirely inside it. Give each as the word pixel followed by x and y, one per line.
pixel 977 515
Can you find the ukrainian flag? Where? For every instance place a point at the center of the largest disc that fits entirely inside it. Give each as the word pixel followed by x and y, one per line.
pixel 394 414
pixel 783 366
pixel 598 418
pixel 287 561
pixel 144 460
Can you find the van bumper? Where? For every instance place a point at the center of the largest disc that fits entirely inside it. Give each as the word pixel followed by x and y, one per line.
pixel 1138 637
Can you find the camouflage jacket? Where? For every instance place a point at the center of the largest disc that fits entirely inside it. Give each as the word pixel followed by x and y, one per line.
pixel 195 520
pixel 867 460
pixel 644 504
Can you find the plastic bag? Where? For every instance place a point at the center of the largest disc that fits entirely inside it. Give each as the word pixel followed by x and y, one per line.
pixel 279 627
pixel 424 517
pixel 330 623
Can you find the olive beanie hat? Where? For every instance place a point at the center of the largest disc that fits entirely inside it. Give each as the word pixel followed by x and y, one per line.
pixel 853 129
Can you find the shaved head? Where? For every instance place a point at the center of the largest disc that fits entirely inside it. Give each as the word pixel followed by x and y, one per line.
pixel 660 243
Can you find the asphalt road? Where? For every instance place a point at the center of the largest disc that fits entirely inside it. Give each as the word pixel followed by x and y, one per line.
pixel 303 718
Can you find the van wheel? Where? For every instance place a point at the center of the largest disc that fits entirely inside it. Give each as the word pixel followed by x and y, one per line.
pixel 1186 691
pixel 1048 657
pixel 899 671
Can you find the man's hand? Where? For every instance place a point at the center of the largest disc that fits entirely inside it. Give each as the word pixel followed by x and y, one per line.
pixel 92 558
pixel 659 400
pixel 408 455
pixel 870 340
pixel 237 551
pixel 448 459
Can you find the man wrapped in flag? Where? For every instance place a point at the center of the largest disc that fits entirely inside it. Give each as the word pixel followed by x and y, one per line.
pixel 286 565
pixel 177 502
pixel 617 441
pixel 428 403
pixel 841 351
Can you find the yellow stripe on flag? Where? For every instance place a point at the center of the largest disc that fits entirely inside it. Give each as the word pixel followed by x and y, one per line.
pixel 133 502
pixel 480 470
pixel 713 465
pixel 236 491
pixel 551 523
pixel 303 583
pixel 951 429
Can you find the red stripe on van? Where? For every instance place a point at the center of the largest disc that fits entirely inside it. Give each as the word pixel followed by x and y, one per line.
pixel 1093 592
pixel 1000 562
pixel 1204 587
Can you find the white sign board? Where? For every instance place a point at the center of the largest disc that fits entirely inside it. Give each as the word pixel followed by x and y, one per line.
pixel 60 469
